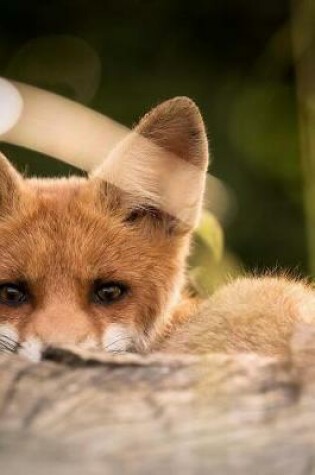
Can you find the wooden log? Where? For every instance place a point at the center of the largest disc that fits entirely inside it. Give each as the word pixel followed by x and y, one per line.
pixel 83 413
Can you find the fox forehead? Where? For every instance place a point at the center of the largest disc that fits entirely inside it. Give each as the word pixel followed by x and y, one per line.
pixel 62 227
pixel 55 193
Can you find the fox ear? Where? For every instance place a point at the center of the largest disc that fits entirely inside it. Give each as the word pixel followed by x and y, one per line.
pixel 10 181
pixel 176 126
pixel 162 163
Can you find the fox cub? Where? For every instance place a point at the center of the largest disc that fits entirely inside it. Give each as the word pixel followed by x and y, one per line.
pixel 99 262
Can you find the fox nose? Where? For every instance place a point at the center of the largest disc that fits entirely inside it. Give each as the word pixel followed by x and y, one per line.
pixel 60 326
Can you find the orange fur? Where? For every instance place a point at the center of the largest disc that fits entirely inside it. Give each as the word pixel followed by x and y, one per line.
pixel 253 314
pixel 59 236
pixel 131 221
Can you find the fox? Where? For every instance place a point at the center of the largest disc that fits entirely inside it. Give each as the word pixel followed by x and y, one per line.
pixel 100 261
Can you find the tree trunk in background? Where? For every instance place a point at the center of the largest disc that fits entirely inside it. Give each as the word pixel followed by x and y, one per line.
pixel 88 414
pixel 303 35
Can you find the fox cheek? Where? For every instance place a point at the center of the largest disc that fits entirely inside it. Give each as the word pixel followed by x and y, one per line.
pixel 32 349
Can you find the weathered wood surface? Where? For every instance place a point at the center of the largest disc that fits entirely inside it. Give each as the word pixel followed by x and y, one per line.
pixel 75 414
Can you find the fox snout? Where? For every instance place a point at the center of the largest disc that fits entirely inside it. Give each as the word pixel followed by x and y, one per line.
pixel 60 326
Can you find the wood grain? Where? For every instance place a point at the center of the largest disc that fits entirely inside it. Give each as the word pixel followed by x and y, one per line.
pixel 84 413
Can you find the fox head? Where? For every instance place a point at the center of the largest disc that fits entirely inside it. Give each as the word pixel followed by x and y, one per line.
pixel 100 261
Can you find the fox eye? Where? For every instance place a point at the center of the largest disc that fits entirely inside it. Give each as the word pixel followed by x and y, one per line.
pixel 13 294
pixel 105 293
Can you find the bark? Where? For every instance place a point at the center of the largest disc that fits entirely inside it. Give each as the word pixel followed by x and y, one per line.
pixel 83 413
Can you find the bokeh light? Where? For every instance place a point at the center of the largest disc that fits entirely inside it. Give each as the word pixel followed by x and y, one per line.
pixel 11 105
pixel 64 64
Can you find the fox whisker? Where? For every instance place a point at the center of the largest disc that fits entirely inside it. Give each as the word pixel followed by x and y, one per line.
pixel 8 344
pixel 118 340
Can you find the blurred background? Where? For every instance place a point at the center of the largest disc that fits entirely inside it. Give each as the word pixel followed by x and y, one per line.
pixel 234 58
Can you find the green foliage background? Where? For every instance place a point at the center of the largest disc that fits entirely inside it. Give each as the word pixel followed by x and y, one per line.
pixel 233 58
